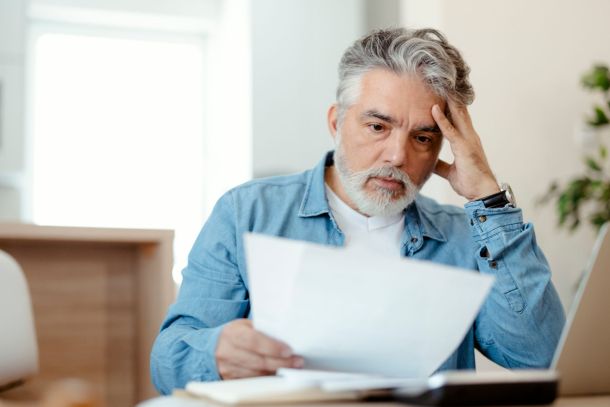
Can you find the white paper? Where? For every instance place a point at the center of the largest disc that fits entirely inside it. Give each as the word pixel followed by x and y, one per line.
pixel 340 381
pixel 357 311
pixel 276 264
pixel 265 390
pixel 320 376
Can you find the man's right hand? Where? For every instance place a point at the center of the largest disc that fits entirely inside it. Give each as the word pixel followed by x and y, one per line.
pixel 243 351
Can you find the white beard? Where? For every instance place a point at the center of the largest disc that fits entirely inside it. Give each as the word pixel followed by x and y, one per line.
pixel 381 202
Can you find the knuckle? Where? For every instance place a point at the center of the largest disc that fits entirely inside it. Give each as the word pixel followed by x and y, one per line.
pixel 250 341
pixel 270 365
pixel 224 372
pixel 450 133
pixel 266 346
pixel 219 353
pixel 264 365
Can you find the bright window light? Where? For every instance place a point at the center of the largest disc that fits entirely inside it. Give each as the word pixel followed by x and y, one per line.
pixel 117 129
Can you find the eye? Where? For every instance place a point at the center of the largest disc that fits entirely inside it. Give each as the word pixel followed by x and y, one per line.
pixel 376 127
pixel 423 139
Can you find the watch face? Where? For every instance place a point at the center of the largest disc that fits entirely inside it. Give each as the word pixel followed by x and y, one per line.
pixel 509 193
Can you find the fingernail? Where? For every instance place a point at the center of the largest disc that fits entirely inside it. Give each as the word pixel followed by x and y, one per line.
pixel 286 353
pixel 299 362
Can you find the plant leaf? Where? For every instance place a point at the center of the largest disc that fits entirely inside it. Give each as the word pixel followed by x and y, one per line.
pixel 562 208
pixel 550 193
pixel 599 218
pixel 592 164
pixel 599 119
pixel 603 152
pixel 597 78
pixel 605 196
pixel 595 185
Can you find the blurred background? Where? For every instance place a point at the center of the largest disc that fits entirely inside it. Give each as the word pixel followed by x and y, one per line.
pixel 140 113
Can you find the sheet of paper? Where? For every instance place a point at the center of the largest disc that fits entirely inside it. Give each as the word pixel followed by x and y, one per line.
pixel 319 376
pixel 272 287
pixel 356 311
pixel 264 391
pixel 340 381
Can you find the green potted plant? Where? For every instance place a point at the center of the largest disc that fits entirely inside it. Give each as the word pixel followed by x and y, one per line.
pixel 587 197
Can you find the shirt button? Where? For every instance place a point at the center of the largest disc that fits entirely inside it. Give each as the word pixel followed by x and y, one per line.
pixel 413 240
pixel 482 218
pixel 493 264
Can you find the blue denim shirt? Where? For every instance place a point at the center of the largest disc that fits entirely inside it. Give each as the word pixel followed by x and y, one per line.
pixel 518 326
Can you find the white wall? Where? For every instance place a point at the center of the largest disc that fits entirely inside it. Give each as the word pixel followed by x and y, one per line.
pixel 228 111
pixel 296 47
pixel 527 58
pixel 12 62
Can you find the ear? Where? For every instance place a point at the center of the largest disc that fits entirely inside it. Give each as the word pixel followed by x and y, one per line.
pixel 331 118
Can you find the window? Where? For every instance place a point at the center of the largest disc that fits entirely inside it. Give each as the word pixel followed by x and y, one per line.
pixel 117 129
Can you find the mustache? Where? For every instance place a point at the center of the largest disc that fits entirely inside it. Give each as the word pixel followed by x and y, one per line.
pixel 386 172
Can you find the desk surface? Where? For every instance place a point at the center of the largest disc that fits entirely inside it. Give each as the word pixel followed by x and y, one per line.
pixel 175 401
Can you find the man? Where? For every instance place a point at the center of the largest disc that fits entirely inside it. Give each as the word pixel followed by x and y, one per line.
pixel 400 93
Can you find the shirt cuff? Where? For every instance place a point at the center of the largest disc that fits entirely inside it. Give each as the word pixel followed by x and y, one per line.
pixel 206 345
pixel 488 222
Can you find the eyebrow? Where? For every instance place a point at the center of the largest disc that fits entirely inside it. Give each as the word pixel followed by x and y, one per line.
pixel 389 119
pixel 378 115
pixel 429 129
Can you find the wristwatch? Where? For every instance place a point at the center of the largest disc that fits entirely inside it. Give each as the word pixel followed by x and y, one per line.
pixel 500 199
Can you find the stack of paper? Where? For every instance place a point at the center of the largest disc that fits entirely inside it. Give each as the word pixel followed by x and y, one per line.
pixel 264 390
pixel 364 321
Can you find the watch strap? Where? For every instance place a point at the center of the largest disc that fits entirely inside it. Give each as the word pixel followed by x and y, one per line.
pixel 497 200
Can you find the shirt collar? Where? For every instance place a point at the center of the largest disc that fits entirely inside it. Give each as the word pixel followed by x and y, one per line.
pixel 314 203
pixel 422 211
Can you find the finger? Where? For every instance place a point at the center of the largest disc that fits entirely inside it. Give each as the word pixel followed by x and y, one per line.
pixel 442 169
pixel 461 117
pixel 255 361
pixel 444 124
pixel 229 371
pixel 272 364
pixel 240 357
pixel 260 343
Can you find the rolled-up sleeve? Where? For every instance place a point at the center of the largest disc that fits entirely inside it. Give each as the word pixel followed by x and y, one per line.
pixel 212 294
pixel 521 321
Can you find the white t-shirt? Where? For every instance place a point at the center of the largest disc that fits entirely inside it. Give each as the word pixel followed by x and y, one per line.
pixel 379 233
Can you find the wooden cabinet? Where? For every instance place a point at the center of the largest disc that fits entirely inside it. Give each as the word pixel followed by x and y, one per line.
pixel 99 296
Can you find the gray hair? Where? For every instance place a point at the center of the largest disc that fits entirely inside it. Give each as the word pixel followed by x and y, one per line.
pixel 424 52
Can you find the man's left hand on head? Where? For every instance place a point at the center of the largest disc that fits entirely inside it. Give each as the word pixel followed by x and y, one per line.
pixel 470 174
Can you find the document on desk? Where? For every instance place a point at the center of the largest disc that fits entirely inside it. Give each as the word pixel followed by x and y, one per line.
pixel 349 310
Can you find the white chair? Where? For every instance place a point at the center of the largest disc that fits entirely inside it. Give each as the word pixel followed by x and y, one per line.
pixel 18 347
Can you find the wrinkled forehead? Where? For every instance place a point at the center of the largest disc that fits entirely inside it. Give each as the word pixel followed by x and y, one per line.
pixel 380 82
pixel 397 95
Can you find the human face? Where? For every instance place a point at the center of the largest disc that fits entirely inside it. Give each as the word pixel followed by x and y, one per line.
pixel 388 143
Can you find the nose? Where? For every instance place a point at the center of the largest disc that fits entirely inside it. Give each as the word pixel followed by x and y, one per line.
pixel 395 149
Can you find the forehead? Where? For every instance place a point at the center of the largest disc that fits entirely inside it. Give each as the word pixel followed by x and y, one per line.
pixel 396 94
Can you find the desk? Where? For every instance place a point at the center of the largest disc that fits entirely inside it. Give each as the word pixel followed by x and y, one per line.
pixel 99 296
pixel 598 401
